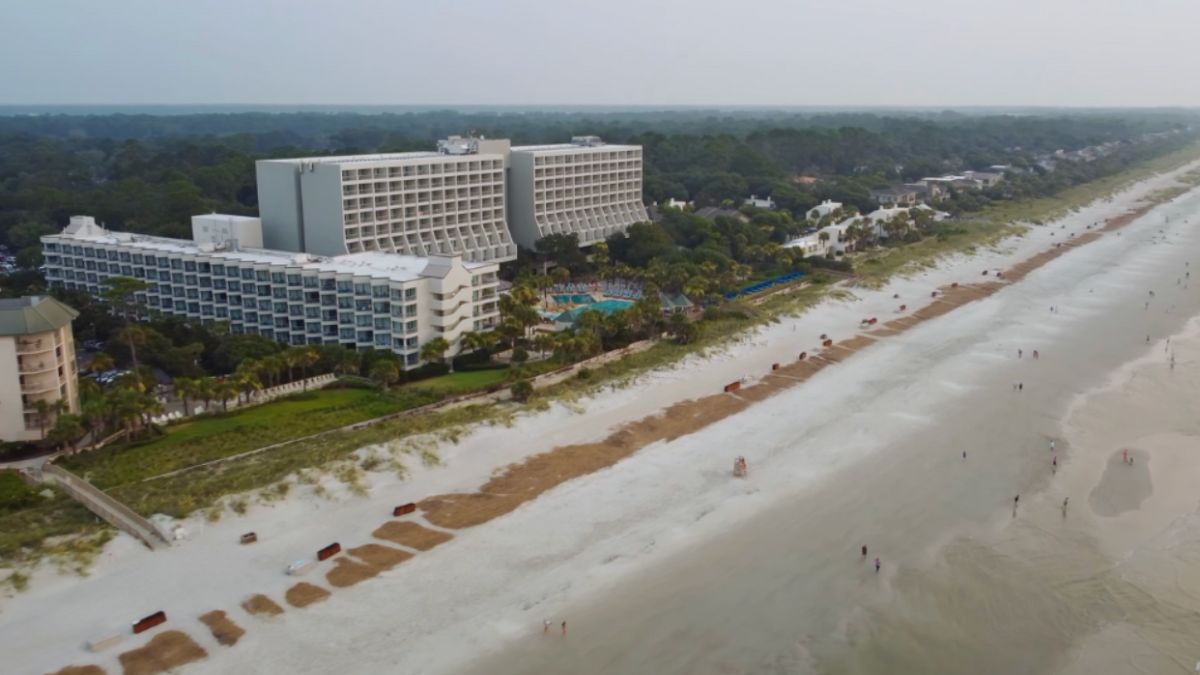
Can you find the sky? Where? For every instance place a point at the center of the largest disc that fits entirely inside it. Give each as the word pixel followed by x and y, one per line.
pixel 604 52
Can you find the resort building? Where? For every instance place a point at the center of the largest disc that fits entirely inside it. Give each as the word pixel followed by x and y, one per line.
pixel 585 187
pixel 823 209
pixel 449 202
pixel 896 196
pixel 359 300
pixel 760 202
pixel 38 379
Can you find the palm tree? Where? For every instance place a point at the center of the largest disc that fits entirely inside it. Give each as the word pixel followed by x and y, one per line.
pixel 43 408
pixel 272 366
pixel 475 341
pixel 185 390
pixel 435 350
pixel 100 362
pixel 385 372
pixel 247 378
pixel 205 391
pixel 131 336
pixel 305 358
pixel 543 342
pixel 224 390
pixel 347 363
pixel 66 429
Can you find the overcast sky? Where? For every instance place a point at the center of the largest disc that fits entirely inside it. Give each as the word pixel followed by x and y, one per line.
pixel 617 52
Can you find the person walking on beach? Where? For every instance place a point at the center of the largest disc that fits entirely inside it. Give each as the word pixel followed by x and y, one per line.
pixel 1125 456
pixel 1019 353
pixel 1051 445
pixel 1016 500
pixel 1035 355
pixel 964 454
pixel 1065 505
pixel 1020 386
pixel 546 627
pixel 1054 462
pixel 564 628
pixel 877 563
pixel 864 550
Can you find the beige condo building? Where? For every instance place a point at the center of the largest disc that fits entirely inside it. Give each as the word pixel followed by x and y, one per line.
pixel 37 363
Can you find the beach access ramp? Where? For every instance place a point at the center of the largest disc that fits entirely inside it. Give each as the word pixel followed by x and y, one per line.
pixel 100 503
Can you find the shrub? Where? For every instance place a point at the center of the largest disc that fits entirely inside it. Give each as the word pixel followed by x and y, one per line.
pixel 520 355
pixel 15 493
pixel 521 391
pixel 584 374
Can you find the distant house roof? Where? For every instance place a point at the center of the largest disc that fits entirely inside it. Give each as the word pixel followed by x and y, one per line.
pixel 895 190
pixel 33 314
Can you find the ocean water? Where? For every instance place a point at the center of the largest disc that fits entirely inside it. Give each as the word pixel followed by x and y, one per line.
pixel 968 583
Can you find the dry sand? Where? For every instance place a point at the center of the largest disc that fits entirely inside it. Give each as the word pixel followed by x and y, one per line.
pixel 261 605
pixel 304 594
pixel 223 628
pixel 164 652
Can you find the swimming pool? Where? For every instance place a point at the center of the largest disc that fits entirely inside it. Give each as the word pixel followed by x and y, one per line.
pixel 604 307
pixel 574 299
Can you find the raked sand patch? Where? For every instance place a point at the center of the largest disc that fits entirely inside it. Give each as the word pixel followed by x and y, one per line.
pixel 411 534
pixel 223 628
pixel 304 594
pixel 162 653
pixel 260 605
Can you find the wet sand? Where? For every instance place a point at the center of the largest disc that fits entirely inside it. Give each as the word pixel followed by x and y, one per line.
pixel 969 584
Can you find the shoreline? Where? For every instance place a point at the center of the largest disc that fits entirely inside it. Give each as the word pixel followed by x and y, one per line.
pixel 509 491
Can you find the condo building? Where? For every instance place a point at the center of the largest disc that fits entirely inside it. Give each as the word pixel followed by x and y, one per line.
pixel 37 366
pixel 363 299
pixel 585 187
pixel 450 202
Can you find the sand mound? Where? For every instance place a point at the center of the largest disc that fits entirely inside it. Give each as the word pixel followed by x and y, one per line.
pixel 165 651
pixel 377 555
pixel 346 572
pixel 411 534
pixel 261 605
pixel 223 629
pixel 304 594
pixel 80 670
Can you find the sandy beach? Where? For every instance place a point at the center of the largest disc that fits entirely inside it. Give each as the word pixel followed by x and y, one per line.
pixel 663 563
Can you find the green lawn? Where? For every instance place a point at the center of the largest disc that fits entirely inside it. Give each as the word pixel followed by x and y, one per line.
pixel 460 383
pixel 215 436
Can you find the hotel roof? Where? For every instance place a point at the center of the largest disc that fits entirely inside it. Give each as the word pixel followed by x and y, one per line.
pixel 378 264
pixel 33 314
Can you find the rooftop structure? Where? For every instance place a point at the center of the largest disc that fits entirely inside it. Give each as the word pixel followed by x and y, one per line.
pixel 38 379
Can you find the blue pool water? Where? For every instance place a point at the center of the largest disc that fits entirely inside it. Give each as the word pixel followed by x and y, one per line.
pixel 579 299
pixel 604 307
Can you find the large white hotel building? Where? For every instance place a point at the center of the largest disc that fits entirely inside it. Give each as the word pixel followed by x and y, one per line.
pixel 359 300
pixel 385 251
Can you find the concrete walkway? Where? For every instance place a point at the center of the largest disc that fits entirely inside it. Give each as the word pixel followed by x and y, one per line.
pixel 100 503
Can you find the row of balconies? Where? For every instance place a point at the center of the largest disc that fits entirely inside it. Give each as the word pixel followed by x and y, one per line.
pixel 603 156
pixel 431 169
pixel 37 345
pixel 489 179
pixel 420 199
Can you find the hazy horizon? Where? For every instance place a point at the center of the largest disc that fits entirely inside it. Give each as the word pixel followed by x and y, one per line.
pixel 927 54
